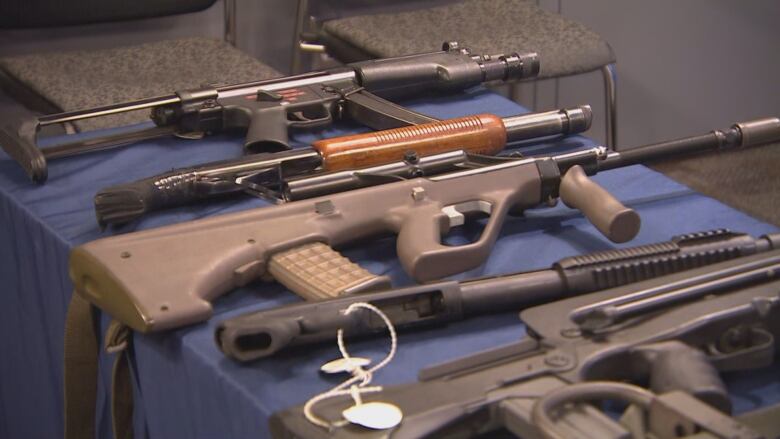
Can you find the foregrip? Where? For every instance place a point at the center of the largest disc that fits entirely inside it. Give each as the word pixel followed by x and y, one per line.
pixel 616 221
pixel 479 134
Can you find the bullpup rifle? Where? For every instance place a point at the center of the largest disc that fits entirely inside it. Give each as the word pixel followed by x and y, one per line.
pixel 268 109
pixel 264 174
pixel 675 333
pixel 263 333
pixel 166 277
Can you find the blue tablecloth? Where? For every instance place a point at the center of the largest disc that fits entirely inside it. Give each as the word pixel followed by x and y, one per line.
pixel 184 386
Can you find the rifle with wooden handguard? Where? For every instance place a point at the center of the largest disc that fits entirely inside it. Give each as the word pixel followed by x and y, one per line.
pixel 263 333
pixel 164 278
pixel 268 109
pixel 265 175
pixel 675 334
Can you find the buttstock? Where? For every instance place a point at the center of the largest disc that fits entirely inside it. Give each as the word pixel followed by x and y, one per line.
pixel 135 282
pixel 20 142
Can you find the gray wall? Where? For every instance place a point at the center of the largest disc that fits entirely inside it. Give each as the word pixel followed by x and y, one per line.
pixel 683 66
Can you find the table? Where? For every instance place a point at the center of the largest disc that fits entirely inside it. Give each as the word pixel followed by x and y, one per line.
pixel 184 386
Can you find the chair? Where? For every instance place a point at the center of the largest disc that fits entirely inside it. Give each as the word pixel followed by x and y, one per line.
pixel 565 47
pixel 65 81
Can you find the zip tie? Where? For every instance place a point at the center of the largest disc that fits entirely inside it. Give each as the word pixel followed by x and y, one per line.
pixel 358 384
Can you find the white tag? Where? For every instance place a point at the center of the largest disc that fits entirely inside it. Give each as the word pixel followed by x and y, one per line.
pixel 375 415
pixel 344 365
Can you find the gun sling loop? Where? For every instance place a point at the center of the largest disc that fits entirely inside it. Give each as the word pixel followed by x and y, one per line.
pixel 81 372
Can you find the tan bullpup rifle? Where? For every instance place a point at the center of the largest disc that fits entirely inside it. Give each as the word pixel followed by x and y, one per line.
pixel 674 334
pixel 373 155
pixel 268 109
pixel 165 278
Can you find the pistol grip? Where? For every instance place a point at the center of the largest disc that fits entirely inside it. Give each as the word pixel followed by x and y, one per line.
pixel 423 255
pixel 677 366
pixel 267 131
pixel 315 271
pixel 19 141
pixel 616 221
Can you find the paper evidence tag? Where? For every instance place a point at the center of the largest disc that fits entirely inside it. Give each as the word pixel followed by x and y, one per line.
pixel 375 415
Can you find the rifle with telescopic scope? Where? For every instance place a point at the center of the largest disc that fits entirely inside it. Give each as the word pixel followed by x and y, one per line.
pixel 268 109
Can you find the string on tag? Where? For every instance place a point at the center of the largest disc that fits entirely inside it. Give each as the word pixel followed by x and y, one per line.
pixel 358 384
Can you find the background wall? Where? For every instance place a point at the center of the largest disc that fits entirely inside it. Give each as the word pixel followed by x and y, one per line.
pixel 683 67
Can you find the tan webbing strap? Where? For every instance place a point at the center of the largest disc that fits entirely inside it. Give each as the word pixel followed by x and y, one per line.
pixel 116 340
pixel 81 369
pixel 81 373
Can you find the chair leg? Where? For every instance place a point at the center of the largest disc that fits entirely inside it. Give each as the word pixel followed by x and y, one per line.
pixel 230 22
pixel 514 91
pixel 300 19
pixel 610 98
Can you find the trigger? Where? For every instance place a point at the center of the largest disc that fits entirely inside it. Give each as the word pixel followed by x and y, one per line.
pixel 298 116
pixel 456 213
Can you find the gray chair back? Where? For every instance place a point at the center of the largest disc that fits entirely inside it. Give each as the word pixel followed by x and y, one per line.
pixel 18 14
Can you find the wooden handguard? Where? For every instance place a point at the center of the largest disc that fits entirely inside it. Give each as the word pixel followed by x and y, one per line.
pixel 479 134
pixel 315 271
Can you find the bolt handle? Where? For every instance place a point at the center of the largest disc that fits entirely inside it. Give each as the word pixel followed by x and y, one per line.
pixel 614 220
